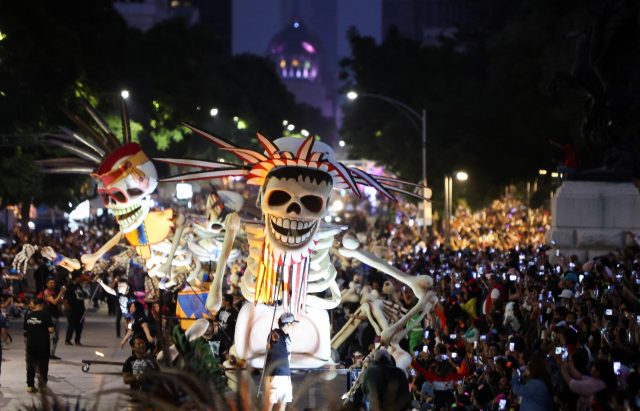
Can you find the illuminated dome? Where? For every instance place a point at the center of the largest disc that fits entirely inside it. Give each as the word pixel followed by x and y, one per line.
pixel 296 52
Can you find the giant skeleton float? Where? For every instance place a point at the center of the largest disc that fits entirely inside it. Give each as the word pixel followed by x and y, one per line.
pixel 288 260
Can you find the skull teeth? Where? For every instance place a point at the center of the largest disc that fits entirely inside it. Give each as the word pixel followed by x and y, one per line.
pixel 291 232
pixel 126 217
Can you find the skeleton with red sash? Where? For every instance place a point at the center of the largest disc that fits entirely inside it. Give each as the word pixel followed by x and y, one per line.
pixel 125 177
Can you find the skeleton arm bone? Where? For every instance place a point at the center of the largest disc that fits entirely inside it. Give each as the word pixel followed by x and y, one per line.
pixel 165 269
pixel 420 285
pixel 193 275
pixel 21 259
pixel 89 260
pixel 232 225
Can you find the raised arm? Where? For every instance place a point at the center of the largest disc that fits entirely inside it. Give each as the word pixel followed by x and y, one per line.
pixel 214 299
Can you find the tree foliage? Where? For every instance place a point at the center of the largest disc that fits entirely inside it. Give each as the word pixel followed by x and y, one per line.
pixel 492 96
pixel 52 54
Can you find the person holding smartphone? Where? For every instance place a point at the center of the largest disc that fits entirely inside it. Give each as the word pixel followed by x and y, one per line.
pixel 533 385
pixel 442 374
pixel 588 387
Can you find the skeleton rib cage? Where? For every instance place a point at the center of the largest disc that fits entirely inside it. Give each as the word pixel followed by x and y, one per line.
pixel 321 276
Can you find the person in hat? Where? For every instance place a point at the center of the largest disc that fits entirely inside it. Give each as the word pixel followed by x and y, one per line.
pixel 279 389
pixel 52 301
pixel 37 328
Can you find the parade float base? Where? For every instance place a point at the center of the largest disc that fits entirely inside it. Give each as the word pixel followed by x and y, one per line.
pixel 591 218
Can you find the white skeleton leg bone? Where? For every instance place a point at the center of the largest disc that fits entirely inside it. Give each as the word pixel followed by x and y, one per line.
pixel 231 225
pixel 89 260
pixel 165 269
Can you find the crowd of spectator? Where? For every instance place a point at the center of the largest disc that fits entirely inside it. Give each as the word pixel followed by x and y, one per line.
pixel 518 325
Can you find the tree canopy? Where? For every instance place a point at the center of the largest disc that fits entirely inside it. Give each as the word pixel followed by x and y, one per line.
pixel 494 107
pixel 52 54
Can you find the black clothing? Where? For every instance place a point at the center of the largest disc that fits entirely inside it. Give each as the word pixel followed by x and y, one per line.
pixel 121 302
pixel 118 318
pixel 136 326
pixel 75 313
pixel 218 344
pixel 279 354
pixel 386 388
pixel 36 327
pixel 75 325
pixel 138 366
pixel 37 357
pixel 75 298
pixel 227 318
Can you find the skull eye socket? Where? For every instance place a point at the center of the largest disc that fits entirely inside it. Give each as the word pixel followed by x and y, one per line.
pixel 134 192
pixel 278 198
pixel 118 196
pixel 312 203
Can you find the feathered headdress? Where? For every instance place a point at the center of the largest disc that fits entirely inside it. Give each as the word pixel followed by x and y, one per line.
pixel 92 147
pixel 257 166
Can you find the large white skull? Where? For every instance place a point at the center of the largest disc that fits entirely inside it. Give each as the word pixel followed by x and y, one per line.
pixel 127 196
pixel 293 203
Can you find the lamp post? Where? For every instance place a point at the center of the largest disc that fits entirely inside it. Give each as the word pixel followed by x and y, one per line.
pixel 419 121
pixel 448 202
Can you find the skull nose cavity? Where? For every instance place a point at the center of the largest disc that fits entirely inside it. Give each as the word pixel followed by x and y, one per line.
pixel 294 208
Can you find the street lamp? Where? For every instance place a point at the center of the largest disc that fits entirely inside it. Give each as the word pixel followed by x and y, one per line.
pixel 448 202
pixel 213 112
pixel 124 94
pixel 415 119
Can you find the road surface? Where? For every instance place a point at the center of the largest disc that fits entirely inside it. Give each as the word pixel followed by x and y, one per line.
pixel 70 384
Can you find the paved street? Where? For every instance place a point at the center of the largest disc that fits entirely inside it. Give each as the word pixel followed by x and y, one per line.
pixel 69 383
pixel 66 379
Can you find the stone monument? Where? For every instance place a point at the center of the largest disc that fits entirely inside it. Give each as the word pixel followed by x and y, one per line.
pixel 590 218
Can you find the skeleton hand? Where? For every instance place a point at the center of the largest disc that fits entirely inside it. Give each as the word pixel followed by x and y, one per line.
pixel 58 259
pixel 21 259
pixel 48 253
pixel 122 259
